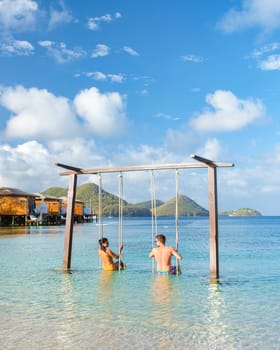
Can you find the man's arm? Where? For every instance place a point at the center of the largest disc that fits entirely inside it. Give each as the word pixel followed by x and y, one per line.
pixel 176 254
pixel 152 254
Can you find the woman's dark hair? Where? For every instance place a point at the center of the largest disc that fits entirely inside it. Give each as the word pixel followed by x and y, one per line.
pixel 101 242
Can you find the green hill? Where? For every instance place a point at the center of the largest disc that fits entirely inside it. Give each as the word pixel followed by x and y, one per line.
pixel 89 194
pixel 186 207
pixel 148 204
pixel 56 191
pixel 241 212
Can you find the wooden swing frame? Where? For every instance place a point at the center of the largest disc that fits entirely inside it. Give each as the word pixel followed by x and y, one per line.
pixel 212 166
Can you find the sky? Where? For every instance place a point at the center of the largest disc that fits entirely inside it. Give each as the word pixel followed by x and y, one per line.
pixel 118 82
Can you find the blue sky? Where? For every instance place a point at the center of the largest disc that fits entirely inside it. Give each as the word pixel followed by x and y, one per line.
pixel 113 83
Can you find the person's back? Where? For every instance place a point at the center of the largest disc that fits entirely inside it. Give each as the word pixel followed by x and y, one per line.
pixel 163 255
pixel 106 256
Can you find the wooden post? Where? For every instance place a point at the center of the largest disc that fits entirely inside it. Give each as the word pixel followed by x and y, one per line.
pixel 213 222
pixel 69 222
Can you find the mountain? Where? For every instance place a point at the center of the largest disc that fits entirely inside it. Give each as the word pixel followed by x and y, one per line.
pixel 148 204
pixel 186 207
pixel 89 194
pixel 241 212
pixel 56 191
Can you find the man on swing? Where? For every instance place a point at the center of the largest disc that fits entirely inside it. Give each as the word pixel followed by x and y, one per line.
pixel 163 254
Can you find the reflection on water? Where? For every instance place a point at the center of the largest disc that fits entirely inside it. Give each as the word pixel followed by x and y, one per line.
pixel 161 291
pixel 68 309
pixel 105 296
pixel 216 327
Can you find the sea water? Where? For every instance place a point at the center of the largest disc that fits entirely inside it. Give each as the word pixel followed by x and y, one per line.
pixel 43 308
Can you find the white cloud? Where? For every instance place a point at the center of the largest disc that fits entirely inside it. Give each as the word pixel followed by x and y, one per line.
pixel 143 92
pixel 30 166
pixel 60 53
pixel 94 22
pixel 104 113
pixel 130 51
pixel 193 58
pixel 167 116
pixel 211 150
pixel 37 113
pixel 265 59
pixel 24 165
pixel 16 48
pixel 272 62
pixel 101 50
pixel 18 14
pixel 116 78
pixel 59 16
pixel 99 76
pixel 264 14
pixel 266 49
pixel 229 113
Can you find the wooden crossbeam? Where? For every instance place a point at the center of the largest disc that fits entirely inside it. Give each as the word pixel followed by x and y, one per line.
pixel 202 163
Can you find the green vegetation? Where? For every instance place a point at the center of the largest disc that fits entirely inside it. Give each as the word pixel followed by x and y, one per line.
pixel 89 195
pixel 148 204
pixel 56 192
pixel 241 212
pixel 186 207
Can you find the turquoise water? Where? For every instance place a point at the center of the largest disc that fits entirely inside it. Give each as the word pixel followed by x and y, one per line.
pixel 41 308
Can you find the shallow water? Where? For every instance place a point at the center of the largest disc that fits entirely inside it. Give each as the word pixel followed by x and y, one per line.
pixel 41 308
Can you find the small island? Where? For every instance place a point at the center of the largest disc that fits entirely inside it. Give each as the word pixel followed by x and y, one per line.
pixel 241 212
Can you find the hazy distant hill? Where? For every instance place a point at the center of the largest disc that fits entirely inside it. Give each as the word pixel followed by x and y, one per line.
pixel 186 207
pixel 241 212
pixel 89 194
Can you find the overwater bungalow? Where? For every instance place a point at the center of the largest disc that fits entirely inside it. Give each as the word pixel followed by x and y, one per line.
pixel 16 206
pixel 78 209
pixel 48 208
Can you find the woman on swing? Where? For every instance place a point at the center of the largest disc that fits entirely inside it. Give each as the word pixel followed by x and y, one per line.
pixel 107 255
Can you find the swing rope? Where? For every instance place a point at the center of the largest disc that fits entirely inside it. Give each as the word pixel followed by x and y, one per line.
pixel 120 216
pixel 154 213
pixel 100 208
pixel 177 218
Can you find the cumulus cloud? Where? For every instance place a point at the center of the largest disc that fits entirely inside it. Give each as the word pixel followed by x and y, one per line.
pixel 212 149
pixel 16 48
pixel 228 113
pixel 60 53
pixel 25 165
pixel 18 14
pixel 37 113
pixel 103 113
pixel 94 22
pixel 254 13
pixel 101 50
